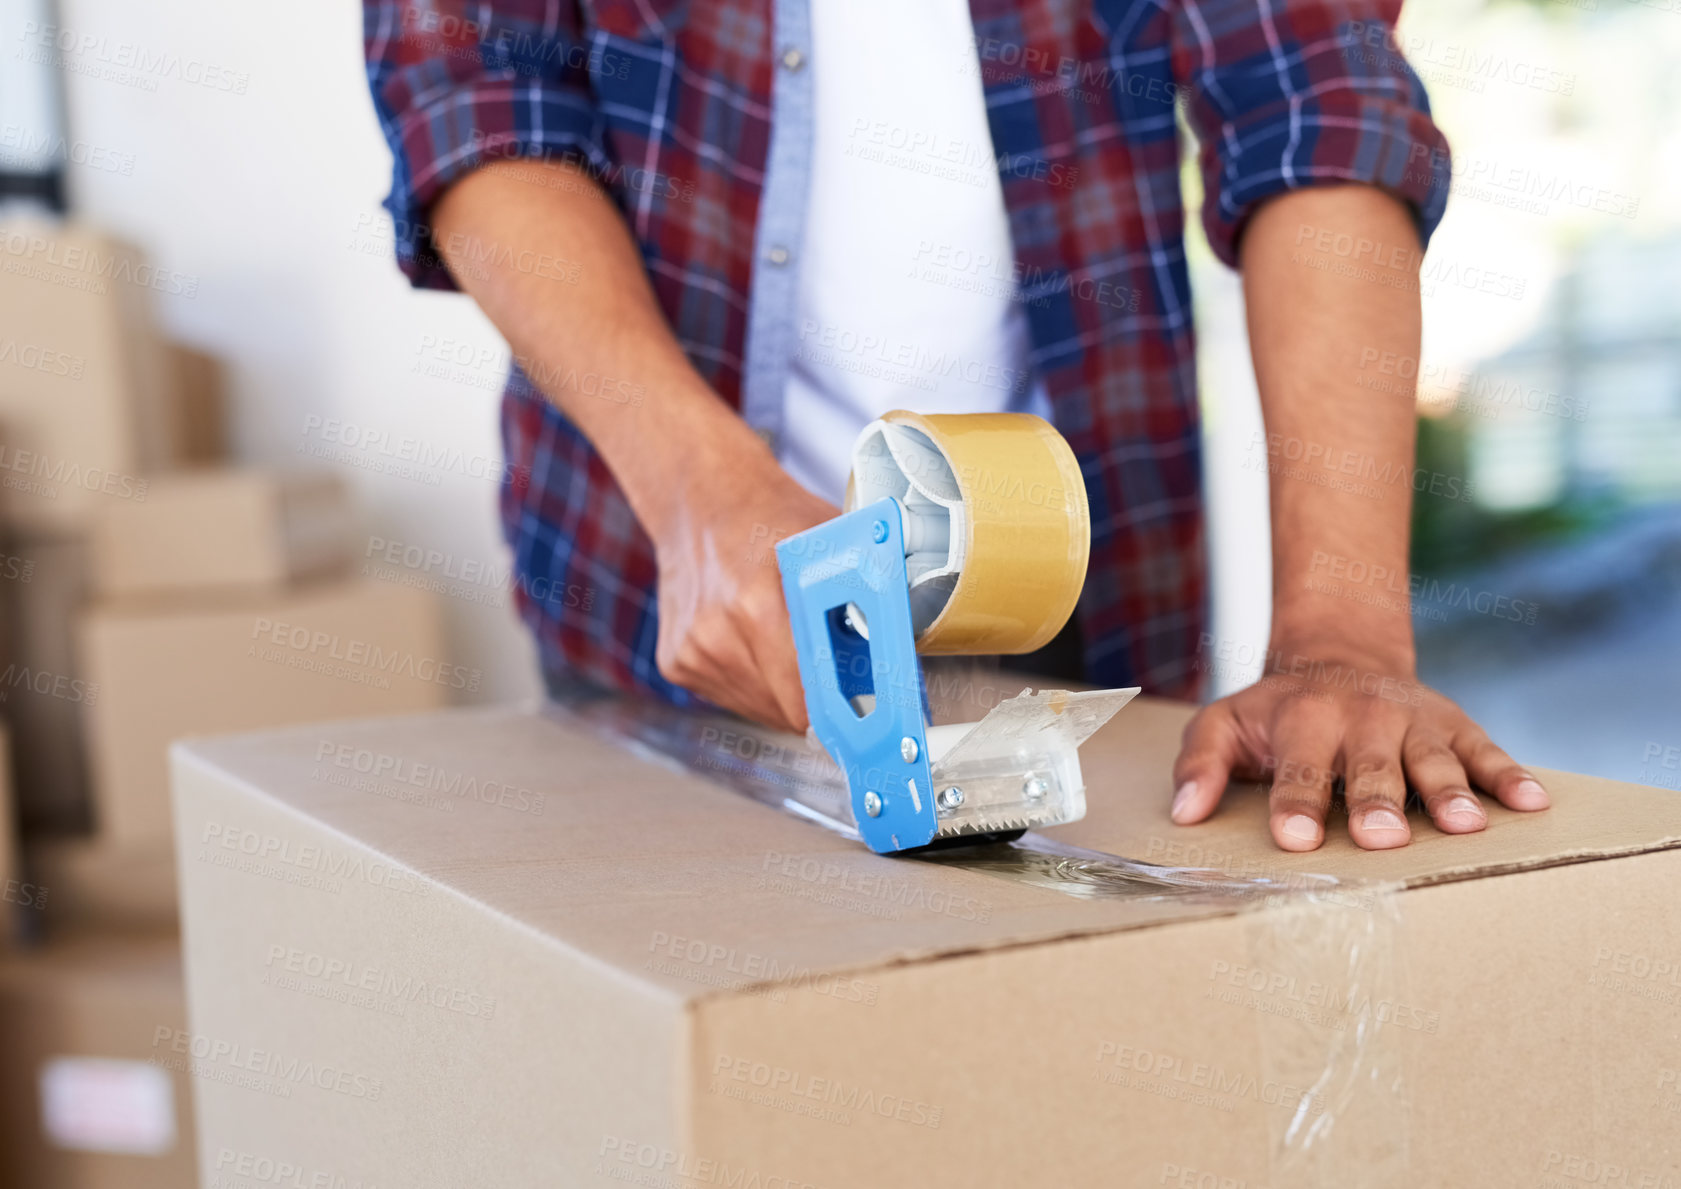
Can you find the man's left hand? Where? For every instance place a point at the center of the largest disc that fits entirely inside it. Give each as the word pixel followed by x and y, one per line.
pixel 1321 715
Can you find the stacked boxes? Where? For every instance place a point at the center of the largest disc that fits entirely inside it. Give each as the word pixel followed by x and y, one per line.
pixel 16 893
pixel 149 591
pixel 90 1093
pixel 334 650
pixel 222 529
pixel 83 377
pixel 45 584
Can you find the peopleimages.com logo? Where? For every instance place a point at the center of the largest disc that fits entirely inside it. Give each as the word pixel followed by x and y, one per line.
pixel 405 455
pixel 304 641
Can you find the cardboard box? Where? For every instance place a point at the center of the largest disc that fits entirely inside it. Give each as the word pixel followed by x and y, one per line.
pixel 83 378
pixel 20 899
pixel 530 957
pixel 321 652
pixel 81 884
pixel 42 689
pixel 223 529
pixel 92 1095
pixel 199 405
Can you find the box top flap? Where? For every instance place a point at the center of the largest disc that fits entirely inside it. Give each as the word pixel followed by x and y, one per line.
pixel 688 886
pixel 1127 770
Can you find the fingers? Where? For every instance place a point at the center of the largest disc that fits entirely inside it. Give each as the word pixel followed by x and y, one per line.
pixel 1380 747
pixel 772 642
pixel 1496 773
pixel 1439 778
pixel 740 655
pixel 1373 783
pixel 723 624
pixel 1207 751
pixel 1307 739
pixel 714 661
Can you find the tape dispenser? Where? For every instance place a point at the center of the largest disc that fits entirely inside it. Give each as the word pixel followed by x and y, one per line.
pixel 964 534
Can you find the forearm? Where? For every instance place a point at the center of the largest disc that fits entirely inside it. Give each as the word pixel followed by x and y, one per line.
pixel 1340 454
pixel 707 490
pixel 598 319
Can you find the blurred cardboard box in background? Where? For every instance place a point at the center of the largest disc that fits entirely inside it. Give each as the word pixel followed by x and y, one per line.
pixel 329 651
pixel 18 897
pixel 223 529
pixel 92 1095
pixel 199 409
pixel 148 590
pixel 42 690
pixel 90 884
pixel 84 379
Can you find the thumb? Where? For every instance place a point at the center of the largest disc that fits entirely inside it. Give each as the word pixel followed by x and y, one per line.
pixel 1207 752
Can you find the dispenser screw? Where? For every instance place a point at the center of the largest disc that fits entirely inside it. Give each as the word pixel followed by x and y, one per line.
pixel 1034 788
pixel 872 804
pixel 907 749
pixel 950 798
pixel 879 531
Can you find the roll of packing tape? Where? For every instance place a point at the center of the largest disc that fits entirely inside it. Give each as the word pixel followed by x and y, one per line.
pixel 997 529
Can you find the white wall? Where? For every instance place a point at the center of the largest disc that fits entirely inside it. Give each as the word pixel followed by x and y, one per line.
pixel 1234 481
pixel 270 198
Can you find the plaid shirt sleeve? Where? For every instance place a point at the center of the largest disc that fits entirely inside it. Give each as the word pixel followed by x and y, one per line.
pixel 1291 93
pixel 457 83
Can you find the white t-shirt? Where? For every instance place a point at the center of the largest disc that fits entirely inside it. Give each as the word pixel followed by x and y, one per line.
pixel 905 282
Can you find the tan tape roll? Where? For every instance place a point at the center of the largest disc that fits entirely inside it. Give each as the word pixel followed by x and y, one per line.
pixel 1020 541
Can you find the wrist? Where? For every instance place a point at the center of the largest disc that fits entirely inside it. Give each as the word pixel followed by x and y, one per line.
pixel 1350 609
pixel 687 456
pixel 1379 643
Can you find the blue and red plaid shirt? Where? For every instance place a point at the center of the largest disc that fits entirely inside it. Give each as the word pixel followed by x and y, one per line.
pixel 696 115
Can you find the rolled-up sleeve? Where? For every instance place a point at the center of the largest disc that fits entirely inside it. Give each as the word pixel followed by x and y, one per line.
pixel 457 83
pixel 1291 93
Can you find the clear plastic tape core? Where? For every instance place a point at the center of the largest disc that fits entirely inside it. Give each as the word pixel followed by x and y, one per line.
pixel 1321 975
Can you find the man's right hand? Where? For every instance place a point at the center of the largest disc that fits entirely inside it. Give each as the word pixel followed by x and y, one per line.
pixel 723 622
pixel 708 491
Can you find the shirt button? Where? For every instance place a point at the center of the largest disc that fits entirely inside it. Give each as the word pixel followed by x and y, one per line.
pixel 777 255
pixel 792 59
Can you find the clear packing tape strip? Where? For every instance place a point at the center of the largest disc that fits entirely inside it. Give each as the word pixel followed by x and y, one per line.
pixel 1323 949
